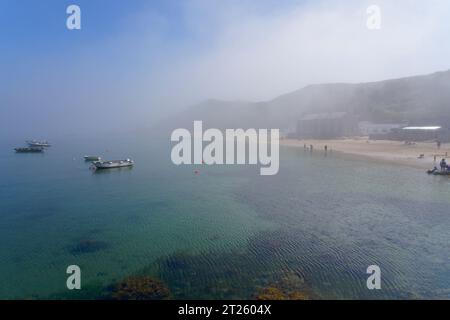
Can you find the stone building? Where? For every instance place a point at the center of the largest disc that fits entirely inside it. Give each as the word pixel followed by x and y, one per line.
pixel 327 126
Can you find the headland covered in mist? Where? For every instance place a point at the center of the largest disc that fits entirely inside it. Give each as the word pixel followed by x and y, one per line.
pixel 423 100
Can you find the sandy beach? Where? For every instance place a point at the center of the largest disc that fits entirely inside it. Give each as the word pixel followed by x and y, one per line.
pixel 397 152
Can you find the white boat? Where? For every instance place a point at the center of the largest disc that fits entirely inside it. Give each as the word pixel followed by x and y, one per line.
pixel 92 158
pixel 29 150
pixel 36 143
pixel 113 164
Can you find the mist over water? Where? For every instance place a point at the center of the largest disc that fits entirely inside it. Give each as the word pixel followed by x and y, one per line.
pixel 132 64
pixel 223 233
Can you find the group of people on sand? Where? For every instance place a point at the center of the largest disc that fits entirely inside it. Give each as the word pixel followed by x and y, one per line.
pixel 311 148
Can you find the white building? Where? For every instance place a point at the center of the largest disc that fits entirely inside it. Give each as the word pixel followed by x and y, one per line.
pixel 378 129
pixel 428 133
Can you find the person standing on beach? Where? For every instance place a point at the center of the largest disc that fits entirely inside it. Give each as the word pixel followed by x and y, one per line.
pixel 443 165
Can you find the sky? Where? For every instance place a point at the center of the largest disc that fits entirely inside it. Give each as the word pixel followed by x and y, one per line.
pixel 135 62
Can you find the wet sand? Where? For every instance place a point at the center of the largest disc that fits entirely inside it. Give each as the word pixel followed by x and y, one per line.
pixel 396 152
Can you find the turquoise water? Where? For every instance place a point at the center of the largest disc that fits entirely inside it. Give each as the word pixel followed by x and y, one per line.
pixel 224 233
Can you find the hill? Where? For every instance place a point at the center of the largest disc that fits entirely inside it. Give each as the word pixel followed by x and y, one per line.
pixel 421 100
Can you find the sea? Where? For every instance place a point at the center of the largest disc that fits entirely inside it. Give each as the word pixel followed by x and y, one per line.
pixel 219 232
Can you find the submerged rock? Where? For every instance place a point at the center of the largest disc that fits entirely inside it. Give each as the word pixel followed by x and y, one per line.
pixel 272 293
pixel 88 246
pixel 140 288
pixel 290 287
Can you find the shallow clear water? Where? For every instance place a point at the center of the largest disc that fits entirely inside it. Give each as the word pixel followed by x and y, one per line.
pixel 224 233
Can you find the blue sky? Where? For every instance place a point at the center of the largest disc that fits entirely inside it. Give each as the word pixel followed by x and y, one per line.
pixel 140 60
pixel 50 73
pixel 39 25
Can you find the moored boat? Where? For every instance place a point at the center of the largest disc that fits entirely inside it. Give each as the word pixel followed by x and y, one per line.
pixel 92 158
pixel 440 173
pixel 29 150
pixel 113 164
pixel 437 172
pixel 36 143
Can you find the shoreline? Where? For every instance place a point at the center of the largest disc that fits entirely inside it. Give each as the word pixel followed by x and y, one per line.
pixel 382 151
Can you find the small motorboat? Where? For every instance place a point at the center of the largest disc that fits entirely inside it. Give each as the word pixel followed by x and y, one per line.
pixel 92 158
pixel 437 172
pixel 113 164
pixel 440 173
pixel 29 150
pixel 36 143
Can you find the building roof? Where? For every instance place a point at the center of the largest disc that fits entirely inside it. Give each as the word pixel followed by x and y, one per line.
pixel 422 128
pixel 323 116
